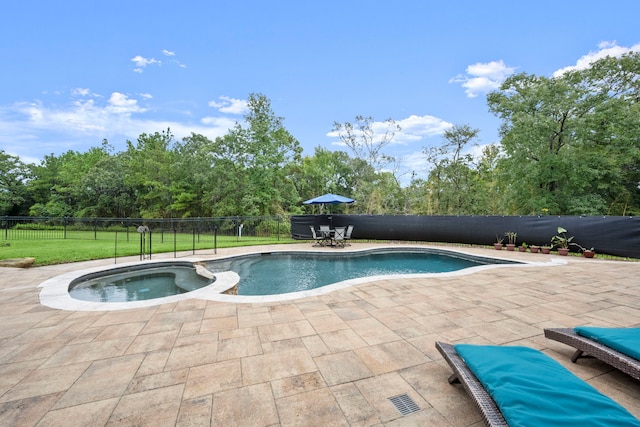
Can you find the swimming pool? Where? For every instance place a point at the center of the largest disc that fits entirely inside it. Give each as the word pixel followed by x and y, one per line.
pixel 54 291
pixel 272 274
pixel 138 283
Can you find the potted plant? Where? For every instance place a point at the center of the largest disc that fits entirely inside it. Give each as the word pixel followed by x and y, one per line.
pixel 545 249
pixel 511 240
pixel 523 247
pixel 498 243
pixel 562 241
pixel 587 253
pixel 534 249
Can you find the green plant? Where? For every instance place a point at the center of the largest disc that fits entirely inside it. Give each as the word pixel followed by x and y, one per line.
pixel 582 248
pixel 561 240
pixel 524 245
pixel 499 240
pixel 511 237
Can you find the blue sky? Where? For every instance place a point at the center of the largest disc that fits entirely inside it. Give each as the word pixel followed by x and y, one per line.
pixel 76 72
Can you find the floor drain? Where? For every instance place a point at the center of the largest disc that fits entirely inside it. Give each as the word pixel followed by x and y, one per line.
pixel 404 404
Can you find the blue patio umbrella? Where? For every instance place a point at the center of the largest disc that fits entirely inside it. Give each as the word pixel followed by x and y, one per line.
pixel 328 199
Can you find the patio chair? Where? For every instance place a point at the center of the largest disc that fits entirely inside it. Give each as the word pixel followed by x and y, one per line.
pixel 324 229
pixel 522 386
pixel 338 236
pixel 319 239
pixel 617 347
pixel 347 235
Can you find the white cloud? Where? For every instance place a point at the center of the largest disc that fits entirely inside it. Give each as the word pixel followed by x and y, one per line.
pixel 230 105
pixel 605 49
pixel 483 77
pixel 120 103
pixel 416 128
pixel 80 91
pixel 166 52
pixel 142 62
pixel 31 130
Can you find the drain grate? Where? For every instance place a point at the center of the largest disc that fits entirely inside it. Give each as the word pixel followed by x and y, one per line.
pixel 404 404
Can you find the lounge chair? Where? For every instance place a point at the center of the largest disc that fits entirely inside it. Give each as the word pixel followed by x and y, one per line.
pixel 319 239
pixel 522 386
pixel 601 344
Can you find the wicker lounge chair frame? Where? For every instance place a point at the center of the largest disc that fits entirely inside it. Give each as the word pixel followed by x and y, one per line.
pixel 461 374
pixel 586 347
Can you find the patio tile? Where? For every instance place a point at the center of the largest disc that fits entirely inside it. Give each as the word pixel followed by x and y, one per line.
pixel 162 379
pixel 192 355
pixel 283 331
pixel 214 377
pixel 93 413
pixel 234 348
pixel 341 368
pixel 326 321
pixel 273 366
pixel 317 407
pixel 379 389
pixel 154 362
pixel 158 407
pixel 355 407
pixel 297 384
pixel 28 411
pixel 389 357
pixel 372 331
pixel 250 406
pixel 46 381
pixel 102 380
pixel 153 342
pixel 216 324
pixel 195 412
pixel 94 350
pixel 342 340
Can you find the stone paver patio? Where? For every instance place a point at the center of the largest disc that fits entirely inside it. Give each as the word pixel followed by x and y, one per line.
pixel 327 360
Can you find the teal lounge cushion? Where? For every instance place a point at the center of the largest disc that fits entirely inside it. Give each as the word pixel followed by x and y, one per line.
pixel 625 340
pixel 531 389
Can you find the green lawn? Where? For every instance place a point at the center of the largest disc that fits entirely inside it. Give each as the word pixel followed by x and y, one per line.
pixel 81 246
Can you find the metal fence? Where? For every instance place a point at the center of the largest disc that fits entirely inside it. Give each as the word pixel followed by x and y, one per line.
pixel 41 228
pixel 154 235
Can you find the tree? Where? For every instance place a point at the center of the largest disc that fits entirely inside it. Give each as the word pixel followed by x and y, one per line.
pixel 572 139
pixel 452 176
pixel 13 190
pixel 367 139
pixel 149 173
pixel 261 153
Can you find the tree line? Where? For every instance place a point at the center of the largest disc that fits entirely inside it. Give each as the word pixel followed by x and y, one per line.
pixel 569 145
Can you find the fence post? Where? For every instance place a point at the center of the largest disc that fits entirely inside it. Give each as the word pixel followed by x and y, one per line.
pixel 174 242
pixel 215 239
pixel 95 229
pixel 6 227
pixel 279 219
pixel 115 250
pixel 64 227
pixel 193 245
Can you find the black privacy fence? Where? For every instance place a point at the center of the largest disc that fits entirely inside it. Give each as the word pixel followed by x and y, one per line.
pixel 613 235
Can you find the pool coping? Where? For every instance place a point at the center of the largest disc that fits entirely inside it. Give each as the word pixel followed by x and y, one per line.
pixel 54 291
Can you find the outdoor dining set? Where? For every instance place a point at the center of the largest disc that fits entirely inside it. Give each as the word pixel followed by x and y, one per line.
pixel 335 237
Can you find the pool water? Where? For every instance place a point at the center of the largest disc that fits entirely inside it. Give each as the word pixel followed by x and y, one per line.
pixel 283 273
pixel 138 284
